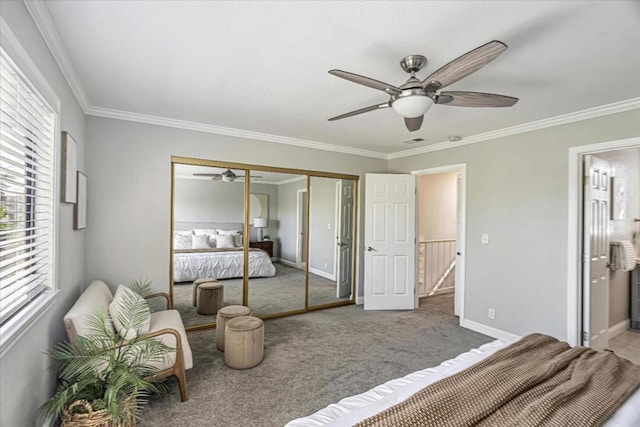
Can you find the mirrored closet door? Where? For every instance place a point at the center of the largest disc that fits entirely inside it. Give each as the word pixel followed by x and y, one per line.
pixel 208 229
pixel 280 241
pixel 277 218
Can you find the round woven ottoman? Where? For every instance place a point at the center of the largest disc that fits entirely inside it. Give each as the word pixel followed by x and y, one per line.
pixel 224 315
pixel 244 342
pixel 197 283
pixel 210 298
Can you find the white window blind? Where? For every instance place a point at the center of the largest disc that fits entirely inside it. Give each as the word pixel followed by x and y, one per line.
pixel 27 126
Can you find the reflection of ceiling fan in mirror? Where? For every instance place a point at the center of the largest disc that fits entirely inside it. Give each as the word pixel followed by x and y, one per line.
pixel 226 176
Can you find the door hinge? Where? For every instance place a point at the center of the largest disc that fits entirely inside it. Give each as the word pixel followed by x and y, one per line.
pixel 585 336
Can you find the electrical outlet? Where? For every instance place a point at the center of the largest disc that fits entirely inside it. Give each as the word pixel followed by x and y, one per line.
pixel 328 226
pixel 325 265
pixel 484 239
pixel 491 314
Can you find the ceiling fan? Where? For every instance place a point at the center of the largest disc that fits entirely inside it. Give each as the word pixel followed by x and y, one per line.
pixel 226 176
pixel 414 97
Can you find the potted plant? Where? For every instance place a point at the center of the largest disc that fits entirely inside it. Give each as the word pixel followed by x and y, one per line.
pixel 103 379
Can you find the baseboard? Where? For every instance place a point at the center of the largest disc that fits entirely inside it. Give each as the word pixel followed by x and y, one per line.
pixel 322 274
pixel 488 330
pixel 289 263
pixel 359 300
pixel 618 328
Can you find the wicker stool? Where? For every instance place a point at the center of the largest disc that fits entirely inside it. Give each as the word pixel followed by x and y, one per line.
pixel 197 283
pixel 210 297
pixel 244 342
pixel 224 315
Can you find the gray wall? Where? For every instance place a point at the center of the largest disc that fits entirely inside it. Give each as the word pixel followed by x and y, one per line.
pixel 25 380
pixel 517 192
pixel 626 167
pixel 129 230
pixel 197 200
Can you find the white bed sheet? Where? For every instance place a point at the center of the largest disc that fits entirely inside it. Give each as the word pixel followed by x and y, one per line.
pixel 354 409
pixel 188 267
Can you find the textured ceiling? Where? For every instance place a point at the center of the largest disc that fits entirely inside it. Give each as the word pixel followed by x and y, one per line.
pixel 262 66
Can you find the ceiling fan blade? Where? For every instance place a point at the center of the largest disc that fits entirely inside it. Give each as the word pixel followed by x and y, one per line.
pixel 466 64
pixel 413 123
pixel 206 174
pixel 217 178
pixel 475 99
pixel 366 81
pixel 360 111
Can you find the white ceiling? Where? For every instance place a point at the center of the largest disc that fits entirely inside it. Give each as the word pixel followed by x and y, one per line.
pixel 262 66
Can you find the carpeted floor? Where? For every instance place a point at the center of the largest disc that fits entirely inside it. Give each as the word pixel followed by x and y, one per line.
pixel 282 292
pixel 311 360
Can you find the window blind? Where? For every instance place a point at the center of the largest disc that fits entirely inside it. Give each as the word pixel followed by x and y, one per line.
pixel 27 126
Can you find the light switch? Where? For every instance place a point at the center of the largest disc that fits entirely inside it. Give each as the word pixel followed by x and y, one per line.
pixel 484 239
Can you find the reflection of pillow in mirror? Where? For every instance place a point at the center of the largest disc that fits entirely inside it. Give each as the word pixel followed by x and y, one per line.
pixel 212 240
pixel 201 231
pixel 224 241
pixel 200 241
pixel 229 232
pixel 181 240
pixel 237 240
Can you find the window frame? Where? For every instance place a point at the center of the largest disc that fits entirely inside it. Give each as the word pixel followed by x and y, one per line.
pixel 23 320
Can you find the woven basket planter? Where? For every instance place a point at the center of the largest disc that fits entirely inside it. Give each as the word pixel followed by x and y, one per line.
pixel 91 418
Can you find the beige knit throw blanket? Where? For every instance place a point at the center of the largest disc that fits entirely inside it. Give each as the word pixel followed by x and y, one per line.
pixel 537 381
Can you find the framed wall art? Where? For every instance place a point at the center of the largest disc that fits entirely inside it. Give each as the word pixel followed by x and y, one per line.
pixel 68 185
pixel 80 209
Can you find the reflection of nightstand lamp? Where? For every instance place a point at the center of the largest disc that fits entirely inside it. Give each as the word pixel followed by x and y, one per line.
pixel 260 223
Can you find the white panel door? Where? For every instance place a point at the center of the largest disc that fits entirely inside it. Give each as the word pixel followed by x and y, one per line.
pixel 389 236
pixel 595 314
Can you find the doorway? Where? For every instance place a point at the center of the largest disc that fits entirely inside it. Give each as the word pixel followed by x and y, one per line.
pixel 604 176
pixel 441 195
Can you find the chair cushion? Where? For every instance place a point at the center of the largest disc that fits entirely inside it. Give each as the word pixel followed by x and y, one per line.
pixel 96 298
pixel 171 319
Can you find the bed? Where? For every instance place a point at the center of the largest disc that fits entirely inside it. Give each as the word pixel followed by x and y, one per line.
pixel 221 263
pixel 391 398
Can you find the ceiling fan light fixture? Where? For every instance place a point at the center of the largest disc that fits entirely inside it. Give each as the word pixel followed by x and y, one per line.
pixel 228 178
pixel 412 106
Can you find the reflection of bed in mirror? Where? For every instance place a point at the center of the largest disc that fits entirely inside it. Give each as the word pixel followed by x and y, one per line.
pixel 191 262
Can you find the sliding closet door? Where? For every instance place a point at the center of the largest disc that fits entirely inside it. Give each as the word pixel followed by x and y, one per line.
pixel 331 240
pixel 208 225
pixel 277 242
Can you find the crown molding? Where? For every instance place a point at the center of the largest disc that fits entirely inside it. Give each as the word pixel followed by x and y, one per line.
pixel 220 130
pixel 590 113
pixel 42 19
pixel 44 22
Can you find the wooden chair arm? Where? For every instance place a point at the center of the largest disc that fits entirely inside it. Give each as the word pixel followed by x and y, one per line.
pixel 160 295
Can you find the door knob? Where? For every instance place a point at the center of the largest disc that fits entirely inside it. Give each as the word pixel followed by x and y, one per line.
pixel 342 244
pixel 369 249
pixel 458 253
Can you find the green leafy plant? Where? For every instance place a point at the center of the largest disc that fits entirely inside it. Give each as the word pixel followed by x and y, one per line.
pixel 266 237
pixel 105 370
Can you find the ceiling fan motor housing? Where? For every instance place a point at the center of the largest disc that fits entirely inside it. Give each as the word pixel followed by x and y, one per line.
pixel 413 63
